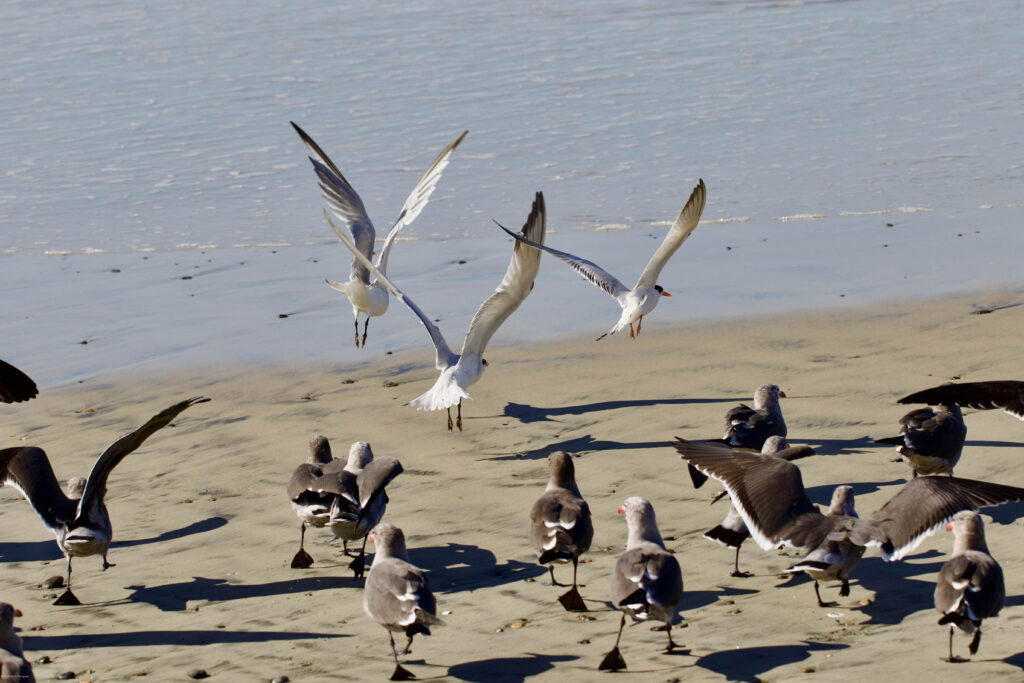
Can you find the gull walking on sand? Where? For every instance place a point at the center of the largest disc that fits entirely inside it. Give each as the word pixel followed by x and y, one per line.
pixel 647 582
pixel 359 499
pixel 769 495
pixel 310 502
pixel 970 585
pixel 644 296
pixel 560 526
pixel 459 371
pixel 369 297
pixel 79 520
pixel 397 594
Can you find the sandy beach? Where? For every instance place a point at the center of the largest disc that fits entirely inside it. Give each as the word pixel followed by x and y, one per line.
pixel 203 532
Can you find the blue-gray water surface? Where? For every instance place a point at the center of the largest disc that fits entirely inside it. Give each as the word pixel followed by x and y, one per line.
pixel 853 152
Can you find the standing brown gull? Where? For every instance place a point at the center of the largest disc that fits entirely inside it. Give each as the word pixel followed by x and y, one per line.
pixel 930 440
pixel 310 502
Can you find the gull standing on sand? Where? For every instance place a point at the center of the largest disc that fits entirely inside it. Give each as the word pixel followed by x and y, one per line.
pixel 731 531
pixel 748 427
pixel 80 522
pixel 15 385
pixel 397 594
pixel 930 440
pixel 1006 394
pixel 769 494
pixel 459 371
pixel 641 300
pixel 647 582
pixel 560 526
pixel 14 668
pixel 970 585
pixel 366 297
pixel 360 499
pixel 310 502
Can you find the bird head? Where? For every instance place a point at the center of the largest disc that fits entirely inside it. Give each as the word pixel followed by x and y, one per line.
pixel 661 290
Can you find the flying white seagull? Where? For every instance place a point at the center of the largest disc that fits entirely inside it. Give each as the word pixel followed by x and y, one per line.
pixel 459 371
pixel 369 298
pixel 641 300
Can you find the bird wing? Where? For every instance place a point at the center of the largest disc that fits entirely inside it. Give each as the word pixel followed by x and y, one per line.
pixel 1005 394
pixel 96 485
pixel 592 272
pixel 344 203
pixel 373 478
pixel 768 492
pixel 15 385
pixel 28 469
pixel 680 230
pixel 514 287
pixel 444 355
pixel 417 199
pixel 923 506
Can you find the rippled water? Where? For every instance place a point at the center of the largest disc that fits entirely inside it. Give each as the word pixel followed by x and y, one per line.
pixel 852 151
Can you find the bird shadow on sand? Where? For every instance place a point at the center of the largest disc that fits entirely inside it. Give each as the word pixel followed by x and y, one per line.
pixel 40 551
pixel 174 597
pixel 506 669
pixel 992 444
pixel 177 638
pixel 747 663
pixel 696 599
pixel 1016 660
pixel 527 413
pixel 861 445
pixel 581 444
pixel 459 567
pixel 823 494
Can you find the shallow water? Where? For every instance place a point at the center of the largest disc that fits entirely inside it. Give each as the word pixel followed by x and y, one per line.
pixel 853 152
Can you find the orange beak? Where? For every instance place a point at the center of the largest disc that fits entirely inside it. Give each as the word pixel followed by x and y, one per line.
pixel 622 509
pixel 949 527
pixel 782 394
pixel 665 294
pixel 370 538
pixel 17 612
pixel 486 364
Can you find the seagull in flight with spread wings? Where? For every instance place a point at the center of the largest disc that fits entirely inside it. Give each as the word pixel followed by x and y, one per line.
pixel 369 298
pixel 459 371
pixel 641 300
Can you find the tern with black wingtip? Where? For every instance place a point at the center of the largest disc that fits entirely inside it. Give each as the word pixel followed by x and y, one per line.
pixel 645 294
pixel 79 521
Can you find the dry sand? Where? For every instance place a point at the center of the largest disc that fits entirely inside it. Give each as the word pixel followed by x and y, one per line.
pixel 204 533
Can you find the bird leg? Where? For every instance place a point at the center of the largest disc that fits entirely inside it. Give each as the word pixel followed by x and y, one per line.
pixel 953 659
pixel 458 417
pixel 67 597
pixel 571 600
pixel 450 423
pixel 632 335
pixel 365 326
pixel 613 660
pixel 357 332
pixel 551 570
pixel 302 559
pixel 975 642
pixel 818 595
pixel 736 567
pixel 107 565
pixel 671 645
pixel 844 589
pixel 358 565
pixel 400 673
pixel 639 322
